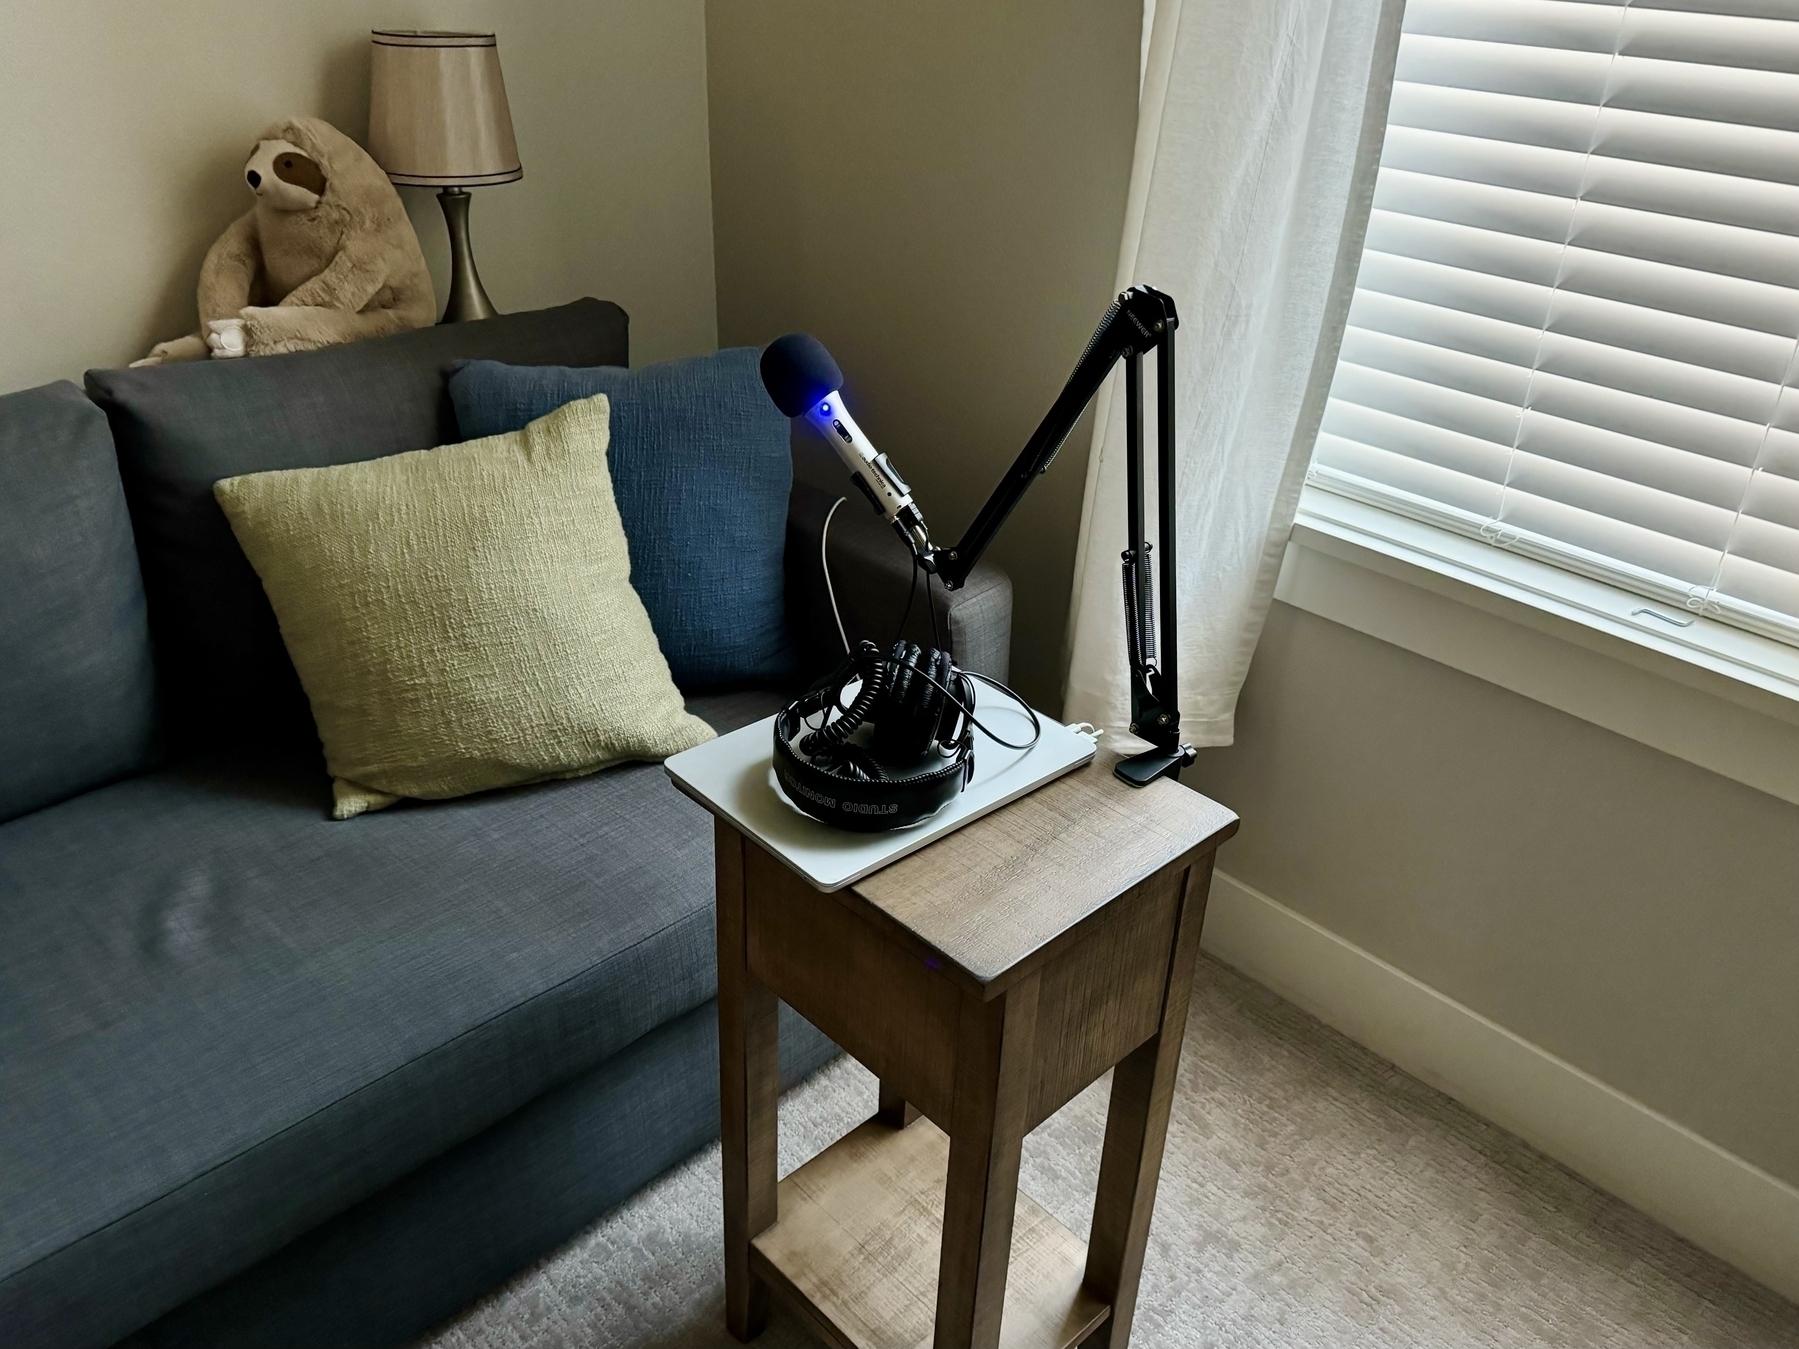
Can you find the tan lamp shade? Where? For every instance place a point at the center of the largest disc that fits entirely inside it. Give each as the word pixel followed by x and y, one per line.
pixel 437 110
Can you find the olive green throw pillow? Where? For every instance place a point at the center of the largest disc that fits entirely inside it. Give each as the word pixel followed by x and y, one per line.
pixel 462 618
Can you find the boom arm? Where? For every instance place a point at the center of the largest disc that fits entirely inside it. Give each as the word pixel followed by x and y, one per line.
pixel 1140 321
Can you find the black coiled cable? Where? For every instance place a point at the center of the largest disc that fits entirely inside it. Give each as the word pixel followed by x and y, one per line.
pixel 830 742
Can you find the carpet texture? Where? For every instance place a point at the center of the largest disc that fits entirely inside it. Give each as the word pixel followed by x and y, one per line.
pixel 1312 1195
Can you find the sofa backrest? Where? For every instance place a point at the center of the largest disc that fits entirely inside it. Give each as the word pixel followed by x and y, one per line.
pixel 225 674
pixel 77 689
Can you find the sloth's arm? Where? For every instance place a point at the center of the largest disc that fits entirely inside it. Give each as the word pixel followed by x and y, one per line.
pixel 350 280
pixel 228 277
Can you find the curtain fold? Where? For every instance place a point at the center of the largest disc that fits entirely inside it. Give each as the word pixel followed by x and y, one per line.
pixel 1258 139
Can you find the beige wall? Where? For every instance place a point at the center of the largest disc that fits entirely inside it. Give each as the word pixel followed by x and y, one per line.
pixel 1632 913
pixel 936 190
pixel 126 125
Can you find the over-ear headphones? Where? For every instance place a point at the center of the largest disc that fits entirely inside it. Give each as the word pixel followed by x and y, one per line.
pixel 898 753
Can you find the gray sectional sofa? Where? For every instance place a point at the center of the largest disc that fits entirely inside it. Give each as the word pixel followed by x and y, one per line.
pixel 267 1079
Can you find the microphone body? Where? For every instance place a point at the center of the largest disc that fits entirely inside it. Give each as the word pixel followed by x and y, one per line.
pixel 805 383
pixel 872 471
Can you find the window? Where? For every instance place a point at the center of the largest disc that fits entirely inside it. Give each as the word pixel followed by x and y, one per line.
pixel 1576 327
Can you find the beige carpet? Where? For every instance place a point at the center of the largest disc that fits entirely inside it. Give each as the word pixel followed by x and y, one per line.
pixel 1312 1195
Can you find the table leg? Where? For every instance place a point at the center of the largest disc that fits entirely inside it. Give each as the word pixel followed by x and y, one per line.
pixel 749 1079
pixel 1136 1129
pixel 895 1110
pixel 994 1048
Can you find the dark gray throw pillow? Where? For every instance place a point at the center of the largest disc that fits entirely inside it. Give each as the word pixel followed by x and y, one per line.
pixel 77 691
pixel 181 428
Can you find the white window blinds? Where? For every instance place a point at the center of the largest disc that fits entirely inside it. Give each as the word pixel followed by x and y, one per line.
pixel 1576 326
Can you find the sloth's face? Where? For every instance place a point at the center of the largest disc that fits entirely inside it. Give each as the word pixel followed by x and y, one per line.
pixel 282 175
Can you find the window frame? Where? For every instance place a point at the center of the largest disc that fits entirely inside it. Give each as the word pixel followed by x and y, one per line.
pixel 1718 696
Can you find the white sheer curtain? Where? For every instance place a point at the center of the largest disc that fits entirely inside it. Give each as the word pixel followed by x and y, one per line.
pixel 1258 138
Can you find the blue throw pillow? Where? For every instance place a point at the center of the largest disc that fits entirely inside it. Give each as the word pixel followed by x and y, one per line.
pixel 701 468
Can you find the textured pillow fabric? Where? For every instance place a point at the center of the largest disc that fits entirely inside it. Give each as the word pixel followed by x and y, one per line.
pixel 462 618
pixel 702 471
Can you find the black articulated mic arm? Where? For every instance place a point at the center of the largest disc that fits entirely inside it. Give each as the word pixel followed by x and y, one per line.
pixel 805 382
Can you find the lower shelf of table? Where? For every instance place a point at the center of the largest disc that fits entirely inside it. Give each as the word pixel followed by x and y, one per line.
pixel 860 1231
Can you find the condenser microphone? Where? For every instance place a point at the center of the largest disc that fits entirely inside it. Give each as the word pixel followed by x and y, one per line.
pixel 804 381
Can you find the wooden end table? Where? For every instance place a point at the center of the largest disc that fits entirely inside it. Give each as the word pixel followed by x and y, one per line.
pixel 986 980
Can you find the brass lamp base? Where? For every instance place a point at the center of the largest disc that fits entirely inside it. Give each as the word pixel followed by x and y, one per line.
pixel 468 300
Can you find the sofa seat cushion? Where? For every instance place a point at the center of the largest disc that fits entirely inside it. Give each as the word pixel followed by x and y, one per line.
pixel 224 1019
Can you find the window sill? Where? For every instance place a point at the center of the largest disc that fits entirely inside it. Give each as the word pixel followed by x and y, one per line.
pixel 1716 696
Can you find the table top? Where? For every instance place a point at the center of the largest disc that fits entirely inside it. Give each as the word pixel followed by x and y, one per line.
pixel 732 777
pixel 991 902
pixel 990 899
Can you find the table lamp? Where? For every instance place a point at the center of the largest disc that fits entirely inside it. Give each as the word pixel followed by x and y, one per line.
pixel 438 118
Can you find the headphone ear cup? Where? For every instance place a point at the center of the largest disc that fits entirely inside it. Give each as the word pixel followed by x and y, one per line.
pixel 921 714
pixel 942 711
pixel 893 719
pixel 899 685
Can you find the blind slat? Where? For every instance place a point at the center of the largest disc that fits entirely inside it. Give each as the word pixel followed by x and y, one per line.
pixel 1719 38
pixel 1499 117
pixel 1693 387
pixel 1478 159
pixel 1725 250
pixel 1685 526
pixel 1476 496
pixel 1482 206
pixel 1646 418
pixel 1744 352
pixel 1716 482
pixel 1697 143
pixel 1457 330
pixel 1542 23
pixel 1680 291
pixel 1688 564
pixel 1438 284
pixel 1485 460
pixel 1504 68
pixel 1738 95
pixel 1537 261
pixel 1720 198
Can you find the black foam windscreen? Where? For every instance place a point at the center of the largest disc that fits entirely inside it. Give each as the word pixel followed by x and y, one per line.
pixel 797 371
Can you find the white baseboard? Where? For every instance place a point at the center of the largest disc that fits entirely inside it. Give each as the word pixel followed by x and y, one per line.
pixel 1711 1197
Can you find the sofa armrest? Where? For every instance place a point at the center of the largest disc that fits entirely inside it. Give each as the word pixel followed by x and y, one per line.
pixel 872 573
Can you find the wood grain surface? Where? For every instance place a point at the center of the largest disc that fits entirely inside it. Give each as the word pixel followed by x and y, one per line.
pixel 749 1068
pixel 856 1249
pixel 996 1054
pixel 1130 1161
pixel 993 901
pixel 1102 998
pixel 871 995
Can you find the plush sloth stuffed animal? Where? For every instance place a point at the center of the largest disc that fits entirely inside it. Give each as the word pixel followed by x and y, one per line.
pixel 326 255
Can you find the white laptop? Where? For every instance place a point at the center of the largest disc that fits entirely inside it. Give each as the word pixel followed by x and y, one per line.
pixel 733 776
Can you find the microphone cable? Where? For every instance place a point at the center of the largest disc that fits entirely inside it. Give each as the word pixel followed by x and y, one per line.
pixel 824 565
pixel 835 734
